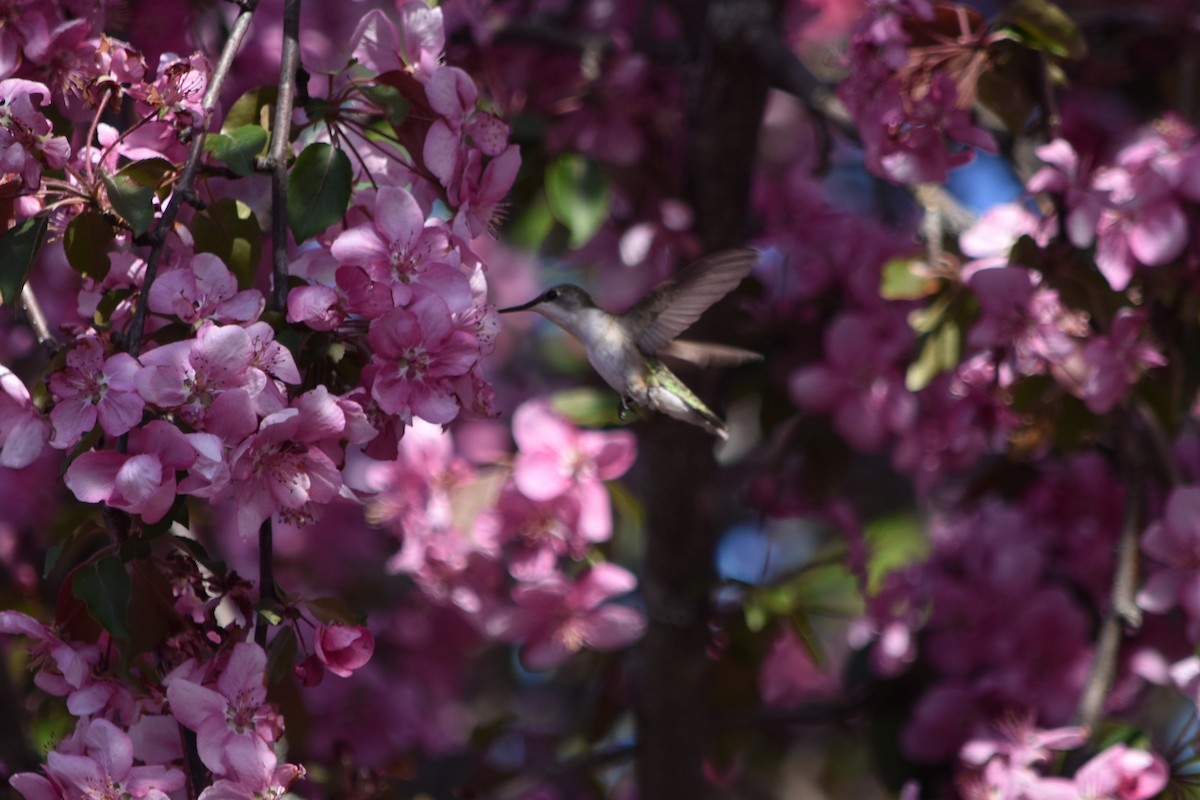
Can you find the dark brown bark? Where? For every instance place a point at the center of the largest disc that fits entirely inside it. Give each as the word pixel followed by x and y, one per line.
pixel 675 713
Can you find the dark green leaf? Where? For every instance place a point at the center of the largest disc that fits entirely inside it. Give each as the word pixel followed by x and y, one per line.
pixel 1044 26
pixel 318 190
pixel 52 556
pixel 105 588
pixel 229 230
pixel 132 190
pixel 19 246
pixel 281 655
pixel 389 100
pixel 332 609
pixel 587 407
pixel 238 147
pixel 578 195
pixel 86 242
pixel 252 108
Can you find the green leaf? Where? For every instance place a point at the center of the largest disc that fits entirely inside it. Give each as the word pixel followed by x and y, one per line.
pixel 332 609
pixel 132 190
pixel 532 225
pixel 902 279
pixel 52 556
pixel 1044 26
pixel 252 108
pixel 318 190
pixel 388 100
pixel 86 242
pixel 579 196
pixel 940 352
pixel 238 147
pixel 19 246
pixel 105 588
pixel 282 654
pixel 893 542
pixel 229 230
pixel 586 407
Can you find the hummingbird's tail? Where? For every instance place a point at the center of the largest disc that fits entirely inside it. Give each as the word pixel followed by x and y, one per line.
pixel 667 394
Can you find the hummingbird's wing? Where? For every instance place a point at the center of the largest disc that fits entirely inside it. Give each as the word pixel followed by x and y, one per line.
pixel 707 354
pixel 675 304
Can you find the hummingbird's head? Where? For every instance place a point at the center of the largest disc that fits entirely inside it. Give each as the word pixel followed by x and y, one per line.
pixel 558 304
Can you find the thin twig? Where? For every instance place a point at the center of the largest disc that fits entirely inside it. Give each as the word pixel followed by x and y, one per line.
pixel 185 189
pixel 1123 611
pixel 281 128
pixel 36 318
pixel 266 578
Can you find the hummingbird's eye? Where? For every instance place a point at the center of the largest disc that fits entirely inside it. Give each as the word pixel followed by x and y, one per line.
pixel 551 295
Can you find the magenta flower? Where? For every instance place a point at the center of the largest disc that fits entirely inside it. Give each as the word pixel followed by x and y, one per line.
pixel 788 676
pixel 204 289
pixel 452 95
pixel 211 380
pixel 401 254
pixel 416 45
pixel 860 382
pixel 235 725
pixel 417 351
pixel 23 432
pixel 91 387
pixel 104 769
pixel 556 619
pixel 282 470
pixel 25 141
pixel 343 648
pixel 1174 543
pixel 1122 773
pixel 141 481
pixel 557 459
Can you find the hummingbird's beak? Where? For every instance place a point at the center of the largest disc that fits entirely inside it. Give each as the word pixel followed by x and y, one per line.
pixel 525 307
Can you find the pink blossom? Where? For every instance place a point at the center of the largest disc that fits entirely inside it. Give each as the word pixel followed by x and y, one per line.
pixel 211 380
pixel 860 382
pixel 417 351
pixel 453 95
pixel 204 289
pixel 282 469
pixel 140 481
pixel 104 769
pixel 26 143
pixel 556 459
pixel 23 432
pixel 415 46
pixel 402 254
pixel 343 648
pixel 788 676
pixel 478 196
pixel 556 619
pixel 1173 545
pixel 1122 773
pixel 235 725
pixel 178 92
pixel 1109 365
pixel 92 387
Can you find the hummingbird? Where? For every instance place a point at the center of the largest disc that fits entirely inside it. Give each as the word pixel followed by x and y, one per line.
pixel 628 349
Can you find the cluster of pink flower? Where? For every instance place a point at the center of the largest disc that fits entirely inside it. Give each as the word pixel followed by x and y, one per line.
pixel 954 373
pixel 386 322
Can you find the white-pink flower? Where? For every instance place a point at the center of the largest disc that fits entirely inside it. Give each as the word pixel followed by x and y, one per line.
pixel 235 725
pixel 91 387
pixel 23 432
pixel 555 458
pixel 555 618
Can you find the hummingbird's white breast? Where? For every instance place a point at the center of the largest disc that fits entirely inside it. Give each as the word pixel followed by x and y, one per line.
pixel 610 349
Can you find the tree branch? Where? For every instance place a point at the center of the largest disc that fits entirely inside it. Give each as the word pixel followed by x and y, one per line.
pixel 185 189
pixel 281 127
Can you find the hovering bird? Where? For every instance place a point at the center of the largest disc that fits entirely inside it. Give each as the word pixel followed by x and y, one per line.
pixel 627 349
